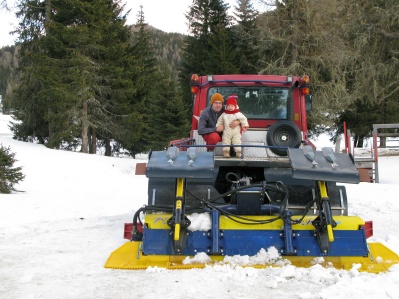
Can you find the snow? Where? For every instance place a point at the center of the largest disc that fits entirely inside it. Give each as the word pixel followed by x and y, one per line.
pixel 58 230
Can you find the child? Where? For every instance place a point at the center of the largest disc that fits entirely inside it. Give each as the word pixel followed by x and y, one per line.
pixel 232 135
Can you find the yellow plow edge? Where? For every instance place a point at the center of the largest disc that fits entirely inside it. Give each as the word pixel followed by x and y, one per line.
pixel 129 257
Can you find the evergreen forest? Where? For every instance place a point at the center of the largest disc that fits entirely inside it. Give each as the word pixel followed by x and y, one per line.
pixel 80 78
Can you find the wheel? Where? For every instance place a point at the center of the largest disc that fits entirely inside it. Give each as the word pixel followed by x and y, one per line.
pixel 283 133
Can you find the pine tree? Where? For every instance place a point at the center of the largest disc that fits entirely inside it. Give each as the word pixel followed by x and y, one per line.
pixel 223 57
pixel 74 74
pixel 247 37
pixel 9 175
pixel 145 77
pixel 209 48
pixel 99 53
pixel 167 120
pixel 208 22
pixel 306 37
pixel 372 28
pixel 29 103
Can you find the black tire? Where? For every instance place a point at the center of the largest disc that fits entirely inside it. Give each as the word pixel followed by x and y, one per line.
pixel 285 134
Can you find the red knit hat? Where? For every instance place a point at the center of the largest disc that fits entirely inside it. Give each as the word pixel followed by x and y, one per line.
pixel 232 100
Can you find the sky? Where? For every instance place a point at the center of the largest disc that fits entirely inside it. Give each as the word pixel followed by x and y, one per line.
pixel 67 216
pixel 160 14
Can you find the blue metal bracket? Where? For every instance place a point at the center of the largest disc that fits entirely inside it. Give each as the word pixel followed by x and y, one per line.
pixel 288 235
pixel 215 232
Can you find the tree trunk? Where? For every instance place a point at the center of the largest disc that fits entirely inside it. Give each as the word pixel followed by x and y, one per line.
pixel 50 127
pixel 47 17
pixel 108 149
pixel 295 21
pixel 85 128
pixel 383 142
pixel 47 13
pixel 93 141
pixel 360 141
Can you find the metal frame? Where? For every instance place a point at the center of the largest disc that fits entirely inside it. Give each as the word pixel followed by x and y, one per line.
pixel 376 127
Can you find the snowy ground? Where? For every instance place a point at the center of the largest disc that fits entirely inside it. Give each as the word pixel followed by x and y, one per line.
pixel 56 234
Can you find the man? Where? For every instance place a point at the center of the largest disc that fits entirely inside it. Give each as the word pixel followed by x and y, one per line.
pixel 208 120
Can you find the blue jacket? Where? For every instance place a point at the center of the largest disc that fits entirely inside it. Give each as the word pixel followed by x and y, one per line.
pixel 207 121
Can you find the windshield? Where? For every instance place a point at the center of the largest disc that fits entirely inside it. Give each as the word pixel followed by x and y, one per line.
pixel 257 102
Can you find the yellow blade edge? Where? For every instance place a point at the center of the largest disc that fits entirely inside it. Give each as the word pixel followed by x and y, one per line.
pixel 129 257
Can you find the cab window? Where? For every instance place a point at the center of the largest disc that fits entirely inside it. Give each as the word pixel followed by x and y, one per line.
pixel 257 102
